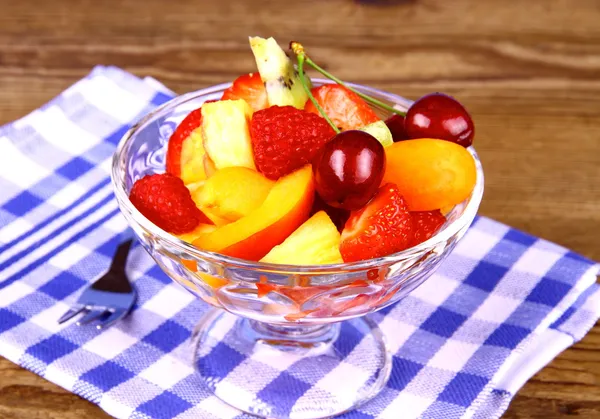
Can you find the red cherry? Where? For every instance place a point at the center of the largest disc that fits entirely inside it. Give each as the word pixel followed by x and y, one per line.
pixel 396 125
pixel 349 169
pixel 338 216
pixel 437 115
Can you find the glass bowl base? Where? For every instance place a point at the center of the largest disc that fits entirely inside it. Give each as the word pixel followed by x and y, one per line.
pixel 295 372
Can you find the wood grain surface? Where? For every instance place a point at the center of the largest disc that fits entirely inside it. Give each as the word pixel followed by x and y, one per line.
pixel 529 72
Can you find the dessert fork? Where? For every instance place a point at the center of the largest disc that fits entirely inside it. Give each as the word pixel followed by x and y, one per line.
pixel 111 297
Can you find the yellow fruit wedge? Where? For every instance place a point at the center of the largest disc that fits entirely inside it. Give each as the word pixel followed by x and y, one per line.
pixel 226 133
pixel 316 242
pixel 192 158
pixel 251 237
pixel 232 193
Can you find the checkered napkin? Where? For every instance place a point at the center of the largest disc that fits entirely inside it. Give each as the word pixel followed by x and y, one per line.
pixel 502 306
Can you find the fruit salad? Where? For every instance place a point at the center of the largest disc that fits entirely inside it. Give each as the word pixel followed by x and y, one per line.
pixel 283 172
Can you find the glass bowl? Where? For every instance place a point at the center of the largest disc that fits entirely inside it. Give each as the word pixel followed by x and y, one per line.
pixel 283 341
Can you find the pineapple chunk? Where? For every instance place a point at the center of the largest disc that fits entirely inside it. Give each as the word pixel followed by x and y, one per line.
pixel 278 74
pixel 316 242
pixel 226 133
pixel 192 158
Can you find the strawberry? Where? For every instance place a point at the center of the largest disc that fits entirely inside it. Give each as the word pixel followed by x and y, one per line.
pixel 382 227
pixel 285 138
pixel 251 88
pixel 182 132
pixel 344 107
pixel 426 224
pixel 164 200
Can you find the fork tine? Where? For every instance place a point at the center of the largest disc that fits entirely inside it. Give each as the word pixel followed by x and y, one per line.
pixel 72 312
pixel 112 319
pixel 91 316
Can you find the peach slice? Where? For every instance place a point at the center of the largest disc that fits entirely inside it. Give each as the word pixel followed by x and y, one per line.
pixel 232 193
pixel 316 242
pixel 430 173
pixel 251 237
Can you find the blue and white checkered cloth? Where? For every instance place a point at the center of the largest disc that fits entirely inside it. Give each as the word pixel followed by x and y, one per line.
pixel 501 307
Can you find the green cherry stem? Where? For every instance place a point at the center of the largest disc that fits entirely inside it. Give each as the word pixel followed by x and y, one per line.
pixel 310 95
pixel 298 49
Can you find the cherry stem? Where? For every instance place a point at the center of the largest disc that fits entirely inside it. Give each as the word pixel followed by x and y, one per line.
pixel 298 49
pixel 310 95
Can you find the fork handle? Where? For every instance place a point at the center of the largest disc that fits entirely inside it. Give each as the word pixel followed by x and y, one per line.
pixel 120 257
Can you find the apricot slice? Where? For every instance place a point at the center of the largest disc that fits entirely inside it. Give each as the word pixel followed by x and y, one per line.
pixel 285 208
pixel 232 193
pixel 430 173
pixel 316 242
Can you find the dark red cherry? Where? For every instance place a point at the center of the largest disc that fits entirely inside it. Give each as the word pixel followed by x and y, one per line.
pixel 437 115
pixel 395 123
pixel 349 169
pixel 338 216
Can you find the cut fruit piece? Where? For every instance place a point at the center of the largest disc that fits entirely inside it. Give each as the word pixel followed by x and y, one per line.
pixel 193 235
pixel 190 124
pixel 225 129
pixel 193 187
pixel 192 158
pixel 278 74
pixel 384 226
pixel 212 217
pixel 251 88
pixel 316 242
pixel 185 151
pixel 218 221
pixel 425 225
pixel 286 207
pixel 209 166
pixel 379 130
pixel 344 107
pixel 232 193
pixel 430 173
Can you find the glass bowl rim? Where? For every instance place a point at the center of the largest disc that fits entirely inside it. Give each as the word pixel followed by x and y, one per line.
pixel 468 214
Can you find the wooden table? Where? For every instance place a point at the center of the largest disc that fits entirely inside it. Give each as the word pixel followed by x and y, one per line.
pixel 528 71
